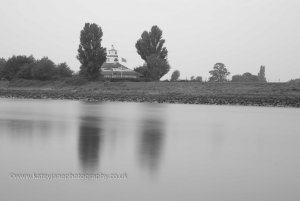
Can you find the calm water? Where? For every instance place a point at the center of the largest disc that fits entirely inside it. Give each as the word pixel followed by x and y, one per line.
pixel 169 152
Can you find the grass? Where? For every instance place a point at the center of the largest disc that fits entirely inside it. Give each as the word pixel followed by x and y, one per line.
pixel 167 90
pixel 162 88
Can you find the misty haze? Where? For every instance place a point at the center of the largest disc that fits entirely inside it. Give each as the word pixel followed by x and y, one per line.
pixel 149 100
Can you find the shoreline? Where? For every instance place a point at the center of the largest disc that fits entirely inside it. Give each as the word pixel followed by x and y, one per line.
pixel 90 96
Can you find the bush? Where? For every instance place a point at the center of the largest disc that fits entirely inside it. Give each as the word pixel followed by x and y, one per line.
pixel 246 77
pixel 63 70
pixel 43 69
pixel 13 65
pixel 76 81
pixel 295 81
pixel 175 75
pixel 198 79
pixel 2 63
pixel 24 72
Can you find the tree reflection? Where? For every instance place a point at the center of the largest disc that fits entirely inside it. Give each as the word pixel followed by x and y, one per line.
pixel 90 139
pixel 151 143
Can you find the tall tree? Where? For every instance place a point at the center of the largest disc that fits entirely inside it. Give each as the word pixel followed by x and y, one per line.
pixel 175 75
pixel 151 49
pixel 219 73
pixel 91 54
pixel 156 67
pixel 151 43
pixel 261 74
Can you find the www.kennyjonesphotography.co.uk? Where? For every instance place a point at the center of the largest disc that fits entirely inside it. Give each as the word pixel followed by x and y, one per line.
pixel 149 100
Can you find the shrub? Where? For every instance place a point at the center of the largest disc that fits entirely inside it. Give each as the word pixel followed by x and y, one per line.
pixel 63 70
pixel 13 65
pixel 2 63
pixel 175 75
pixel 24 71
pixel 43 69
pixel 76 81
pixel 246 77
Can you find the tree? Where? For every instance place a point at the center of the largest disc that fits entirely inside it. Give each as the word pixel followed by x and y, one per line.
pixel 198 79
pixel 261 74
pixel 2 63
pixel 175 75
pixel 91 54
pixel 156 67
pixel 13 65
pixel 43 69
pixel 151 49
pixel 219 73
pixel 63 70
pixel 151 43
pixel 25 71
pixel 246 77
pixel 142 70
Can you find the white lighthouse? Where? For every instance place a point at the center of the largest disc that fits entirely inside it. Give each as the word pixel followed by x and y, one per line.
pixel 112 55
pixel 112 69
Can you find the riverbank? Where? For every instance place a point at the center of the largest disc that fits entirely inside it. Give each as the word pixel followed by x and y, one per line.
pixel 257 94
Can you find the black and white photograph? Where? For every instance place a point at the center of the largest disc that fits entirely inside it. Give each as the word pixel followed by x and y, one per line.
pixel 149 100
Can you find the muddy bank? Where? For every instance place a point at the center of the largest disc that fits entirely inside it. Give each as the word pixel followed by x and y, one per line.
pixel 279 101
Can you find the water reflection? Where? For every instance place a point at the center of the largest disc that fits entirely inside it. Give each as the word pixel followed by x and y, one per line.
pixel 152 141
pixel 25 129
pixel 90 140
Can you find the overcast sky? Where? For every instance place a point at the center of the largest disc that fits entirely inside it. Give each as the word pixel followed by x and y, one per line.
pixel 243 34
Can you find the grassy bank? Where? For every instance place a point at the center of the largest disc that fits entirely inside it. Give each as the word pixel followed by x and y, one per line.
pixel 262 94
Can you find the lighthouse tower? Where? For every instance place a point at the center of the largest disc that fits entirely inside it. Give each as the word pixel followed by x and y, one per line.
pixel 112 55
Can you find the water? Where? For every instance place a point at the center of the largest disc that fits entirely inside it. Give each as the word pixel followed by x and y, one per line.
pixel 168 152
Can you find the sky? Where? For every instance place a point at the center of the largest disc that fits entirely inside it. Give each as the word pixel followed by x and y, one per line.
pixel 242 34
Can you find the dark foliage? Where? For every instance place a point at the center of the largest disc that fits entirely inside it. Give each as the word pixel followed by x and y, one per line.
pixel 175 75
pixel 25 71
pixel 43 69
pixel 2 63
pixel 76 81
pixel 156 67
pixel 141 69
pixel 199 79
pixel 295 81
pixel 151 43
pixel 129 80
pixel 28 68
pixel 63 70
pixel 219 73
pixel 246 77
pixel 196 79
pixel 261 74
pixel 91 54
pixel 14 64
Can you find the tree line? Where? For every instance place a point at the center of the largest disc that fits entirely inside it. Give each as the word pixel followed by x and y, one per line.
pixel 220 74
pixel 91 55
pixel 27 67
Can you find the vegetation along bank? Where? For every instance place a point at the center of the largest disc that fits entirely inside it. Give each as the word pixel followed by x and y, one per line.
pixel 257 94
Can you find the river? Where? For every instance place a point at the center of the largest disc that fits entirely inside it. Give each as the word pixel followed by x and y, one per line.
pixel 138 151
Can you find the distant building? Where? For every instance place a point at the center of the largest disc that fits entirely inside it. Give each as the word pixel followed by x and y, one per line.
pixel 113 69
